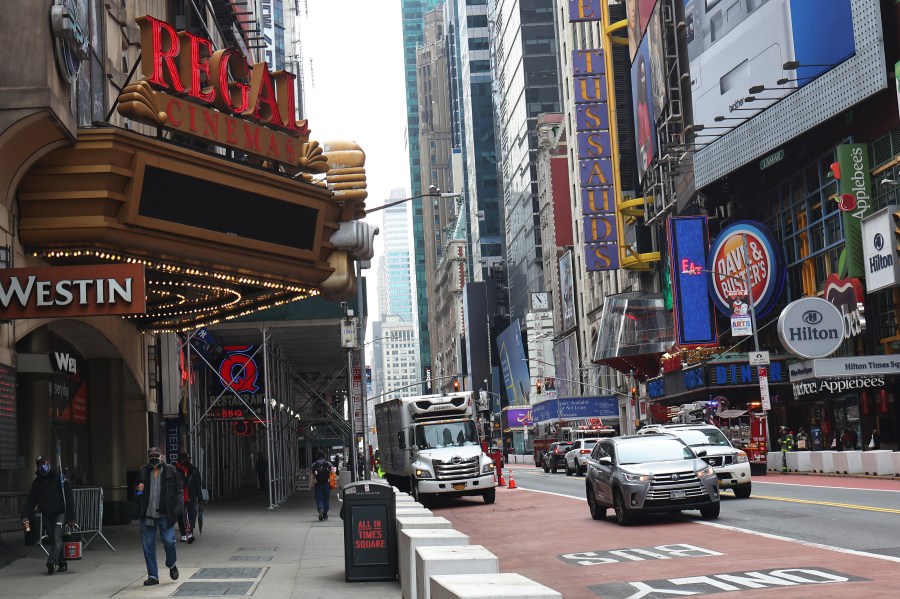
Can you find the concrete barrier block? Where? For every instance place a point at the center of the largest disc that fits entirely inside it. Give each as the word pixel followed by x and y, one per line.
pixel 822 461
pixel 462 559
pixel 879 462
pixel 404 498
pixel 791 460
pixel 409 503
pixel 803 461
pixel 848 462
pixel 489 586
pixel 896 457
pixel 412 539
pixel 414 511
pixel 419 522
pixel 774 462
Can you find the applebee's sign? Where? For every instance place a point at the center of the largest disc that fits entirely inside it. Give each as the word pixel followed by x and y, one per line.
pixel 764 268
pixel 847 295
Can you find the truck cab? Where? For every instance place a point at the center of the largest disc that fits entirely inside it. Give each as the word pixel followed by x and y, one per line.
pixel 431 445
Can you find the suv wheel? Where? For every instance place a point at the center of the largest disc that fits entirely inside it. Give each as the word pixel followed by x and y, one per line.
pixel 597 512
pixel 553 467
pixel 546 468
pixel 742 491
pixel 711 512
pixel 623 514
pixel 568 470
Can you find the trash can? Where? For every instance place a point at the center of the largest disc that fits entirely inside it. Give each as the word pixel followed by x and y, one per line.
pixel 370 531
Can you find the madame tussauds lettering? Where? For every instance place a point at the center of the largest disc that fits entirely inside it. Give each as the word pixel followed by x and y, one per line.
pixel 185 64
pixel 65 292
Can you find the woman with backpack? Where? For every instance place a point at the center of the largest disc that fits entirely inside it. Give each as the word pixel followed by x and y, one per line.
pixel 321 470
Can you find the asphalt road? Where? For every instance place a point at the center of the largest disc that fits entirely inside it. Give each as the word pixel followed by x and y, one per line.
pixel 851 513
pixel 796 536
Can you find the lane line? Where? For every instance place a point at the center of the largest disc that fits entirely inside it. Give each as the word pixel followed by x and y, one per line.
pixel 889 558
pixel 766 482
pixel 830 504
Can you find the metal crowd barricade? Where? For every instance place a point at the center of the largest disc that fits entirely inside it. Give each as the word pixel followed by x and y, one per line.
pixel 89 514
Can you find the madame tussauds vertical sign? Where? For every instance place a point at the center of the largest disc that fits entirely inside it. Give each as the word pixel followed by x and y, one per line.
pixel 67 291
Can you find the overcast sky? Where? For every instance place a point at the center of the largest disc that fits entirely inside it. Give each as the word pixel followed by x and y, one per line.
pixel 353 68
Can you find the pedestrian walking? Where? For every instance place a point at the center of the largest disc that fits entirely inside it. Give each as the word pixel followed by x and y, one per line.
pixel 52 494
pixel 262 471
pixel 159 496
pixel 802 440
pixel 322 471
pixel 193 492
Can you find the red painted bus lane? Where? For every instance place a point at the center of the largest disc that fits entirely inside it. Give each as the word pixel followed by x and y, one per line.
pixel 553 540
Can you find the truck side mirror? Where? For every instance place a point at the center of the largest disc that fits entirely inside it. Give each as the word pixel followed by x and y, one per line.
pixel 401 440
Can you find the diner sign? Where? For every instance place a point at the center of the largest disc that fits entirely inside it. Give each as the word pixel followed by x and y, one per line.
pixel 216 95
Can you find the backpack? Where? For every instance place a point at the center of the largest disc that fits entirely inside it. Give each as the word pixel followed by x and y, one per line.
pixel 321 469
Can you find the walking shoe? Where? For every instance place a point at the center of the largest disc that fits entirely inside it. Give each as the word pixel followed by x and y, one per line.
pixel 321 515
pixel 62 568
pixel 51 568
pixel 173 572
pixel 190 538
pixel 325 517
pixel 183 538
pixel 151 582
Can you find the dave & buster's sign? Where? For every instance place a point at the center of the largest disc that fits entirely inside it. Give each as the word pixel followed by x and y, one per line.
pixel 216 95
pixel 69 291
pixel 764 267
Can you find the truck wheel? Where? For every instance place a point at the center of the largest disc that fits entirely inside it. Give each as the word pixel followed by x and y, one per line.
pixel 414 490
pixel 490 495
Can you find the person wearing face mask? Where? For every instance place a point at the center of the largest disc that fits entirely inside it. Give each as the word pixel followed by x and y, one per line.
pixel 159 496
pixel 193 491
pixel 53 496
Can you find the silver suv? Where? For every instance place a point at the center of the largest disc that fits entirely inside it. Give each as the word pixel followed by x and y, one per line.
pixel 731 465
pixel 639 474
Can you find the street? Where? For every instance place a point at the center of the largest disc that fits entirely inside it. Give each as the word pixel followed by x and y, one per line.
pixel 813 536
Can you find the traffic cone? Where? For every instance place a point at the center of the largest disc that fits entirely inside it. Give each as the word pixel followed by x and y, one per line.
pixel 501 482
pixel 512 481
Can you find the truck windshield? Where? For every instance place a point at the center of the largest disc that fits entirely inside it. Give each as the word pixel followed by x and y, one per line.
pixel 446 434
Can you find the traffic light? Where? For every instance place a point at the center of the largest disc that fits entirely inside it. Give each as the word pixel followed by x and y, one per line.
pixel 896 216
pixel 455 385
pixel 538 386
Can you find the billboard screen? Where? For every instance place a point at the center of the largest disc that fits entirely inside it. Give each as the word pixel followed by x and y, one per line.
pixel 735 46
pixel 695 318
pixel 516 377
pixel 644 114
pixel 567 293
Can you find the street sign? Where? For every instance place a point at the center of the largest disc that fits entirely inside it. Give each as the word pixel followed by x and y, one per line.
pixel 759 358
pixel 763 373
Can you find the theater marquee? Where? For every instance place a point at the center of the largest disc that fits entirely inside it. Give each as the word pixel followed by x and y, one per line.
pixel 71 291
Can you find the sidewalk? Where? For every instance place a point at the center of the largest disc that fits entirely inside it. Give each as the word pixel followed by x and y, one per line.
pixel 245 549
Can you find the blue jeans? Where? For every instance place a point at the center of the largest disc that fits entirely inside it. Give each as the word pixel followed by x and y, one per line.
pixel 148 540
pixel 323 495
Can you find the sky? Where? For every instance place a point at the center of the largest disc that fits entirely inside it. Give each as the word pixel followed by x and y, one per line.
pixel 353 69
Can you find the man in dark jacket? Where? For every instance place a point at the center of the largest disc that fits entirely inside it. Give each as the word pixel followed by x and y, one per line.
pixel 160 499
pixel 54 498
pixel 321 471
pixel 190 477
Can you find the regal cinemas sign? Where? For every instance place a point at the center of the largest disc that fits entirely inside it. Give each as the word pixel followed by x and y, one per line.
pixel 72 291
pixel 189 87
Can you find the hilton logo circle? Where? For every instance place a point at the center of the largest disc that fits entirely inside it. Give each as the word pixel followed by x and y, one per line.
pixel 728 273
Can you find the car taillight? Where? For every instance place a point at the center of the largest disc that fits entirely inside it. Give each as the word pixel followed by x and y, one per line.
pixel 585 451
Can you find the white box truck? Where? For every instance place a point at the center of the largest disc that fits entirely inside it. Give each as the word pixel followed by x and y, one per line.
pixel 430 445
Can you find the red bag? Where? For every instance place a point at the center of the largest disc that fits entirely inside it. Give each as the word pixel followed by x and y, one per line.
pixel 72 542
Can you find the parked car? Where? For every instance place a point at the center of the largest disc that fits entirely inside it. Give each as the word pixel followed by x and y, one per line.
pixel 555 456
pixel 731 464
pixel 577 457
pixel 639 474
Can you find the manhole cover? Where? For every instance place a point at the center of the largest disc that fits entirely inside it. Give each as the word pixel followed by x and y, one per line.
pixel 218 573
pixel 250 558
pixel 212 589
